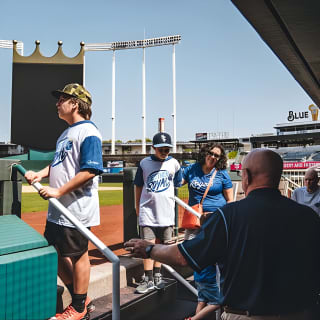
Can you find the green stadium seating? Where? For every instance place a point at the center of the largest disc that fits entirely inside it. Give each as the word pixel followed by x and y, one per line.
pixel 28 272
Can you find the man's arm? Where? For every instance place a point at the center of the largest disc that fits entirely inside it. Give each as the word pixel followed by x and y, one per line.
pixel 77 181
pixel 294 195
pixel 168 254
pixel 138 196
pixel 138 182
pixel 32 176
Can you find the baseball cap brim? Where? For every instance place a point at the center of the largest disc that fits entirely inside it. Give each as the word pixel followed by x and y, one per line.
pixel 159 145
pixel 58 93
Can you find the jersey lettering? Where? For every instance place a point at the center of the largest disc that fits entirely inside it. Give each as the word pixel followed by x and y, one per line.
pixel 61 152
pixel 159 181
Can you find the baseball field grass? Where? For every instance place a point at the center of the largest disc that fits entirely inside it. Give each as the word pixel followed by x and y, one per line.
pixel 32 202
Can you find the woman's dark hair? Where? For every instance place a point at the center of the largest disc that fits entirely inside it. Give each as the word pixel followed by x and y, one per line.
pixel 204 151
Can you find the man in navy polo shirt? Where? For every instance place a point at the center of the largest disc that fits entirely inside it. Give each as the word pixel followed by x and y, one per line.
pixel 267 243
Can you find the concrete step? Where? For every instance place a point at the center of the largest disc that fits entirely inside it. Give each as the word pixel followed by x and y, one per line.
pixel 131 270
pixel 135 306
pixel 132 304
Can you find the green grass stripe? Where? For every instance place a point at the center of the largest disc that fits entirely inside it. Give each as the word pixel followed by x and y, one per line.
pixel 32 202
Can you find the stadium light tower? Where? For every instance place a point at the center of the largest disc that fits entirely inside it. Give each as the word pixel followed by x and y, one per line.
pixel 136 44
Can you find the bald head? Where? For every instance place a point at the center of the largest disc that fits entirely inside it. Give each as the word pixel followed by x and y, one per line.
pixel 311 180
pixel 261 168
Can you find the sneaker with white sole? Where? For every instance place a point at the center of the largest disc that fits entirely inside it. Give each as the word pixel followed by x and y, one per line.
pixel 145 285
pixel 71 314
pixel 88 305
pixel 158 281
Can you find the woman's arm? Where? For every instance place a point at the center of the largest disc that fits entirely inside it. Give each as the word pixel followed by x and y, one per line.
pixel 228 194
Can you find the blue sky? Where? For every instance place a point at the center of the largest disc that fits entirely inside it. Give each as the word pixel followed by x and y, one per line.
pixel 227 78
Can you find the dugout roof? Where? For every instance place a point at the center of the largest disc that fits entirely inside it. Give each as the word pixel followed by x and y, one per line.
pixel 291 29
pixel 286 140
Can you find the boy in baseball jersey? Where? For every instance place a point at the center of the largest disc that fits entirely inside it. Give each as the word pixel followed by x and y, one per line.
pixel 156 177
pixel 73 179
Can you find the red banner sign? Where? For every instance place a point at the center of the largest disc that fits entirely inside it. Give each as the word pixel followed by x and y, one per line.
pixel 235 167
pixel 300 165
pixel 286 165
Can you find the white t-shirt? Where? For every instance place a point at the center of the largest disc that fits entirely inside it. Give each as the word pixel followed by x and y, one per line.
pixel 158 179
pixel 312 200
pixel 78 148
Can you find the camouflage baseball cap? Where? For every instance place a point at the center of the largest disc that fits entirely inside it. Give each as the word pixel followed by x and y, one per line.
pixel 74 90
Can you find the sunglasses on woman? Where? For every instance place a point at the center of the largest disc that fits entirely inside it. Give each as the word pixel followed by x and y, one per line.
pixel 215 155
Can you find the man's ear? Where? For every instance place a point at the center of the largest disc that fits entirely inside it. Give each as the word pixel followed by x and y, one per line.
pixel 248 176
pixel 75 106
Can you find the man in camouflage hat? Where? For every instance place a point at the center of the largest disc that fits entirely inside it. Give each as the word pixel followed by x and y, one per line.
pixel 73 176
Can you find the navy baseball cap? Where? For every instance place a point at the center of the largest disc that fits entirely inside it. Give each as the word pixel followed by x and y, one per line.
pixel 161 139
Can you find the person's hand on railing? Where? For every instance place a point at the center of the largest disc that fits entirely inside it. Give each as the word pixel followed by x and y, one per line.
pixel 138 247
pixel 48 192
pixel 32 176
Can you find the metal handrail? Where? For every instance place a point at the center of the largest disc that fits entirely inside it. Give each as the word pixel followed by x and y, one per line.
pixel 291 181
pixel 173 272
pixel 181 279
pixel 96 241
pixel 187 207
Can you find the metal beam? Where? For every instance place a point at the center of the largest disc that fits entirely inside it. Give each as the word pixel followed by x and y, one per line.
pixel 133 44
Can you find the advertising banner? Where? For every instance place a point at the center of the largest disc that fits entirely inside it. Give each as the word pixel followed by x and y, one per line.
pixel 201 136
pixel 286 165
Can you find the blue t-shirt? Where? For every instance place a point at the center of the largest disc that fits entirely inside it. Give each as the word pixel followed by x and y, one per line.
pixel 198 182
pixel 78 148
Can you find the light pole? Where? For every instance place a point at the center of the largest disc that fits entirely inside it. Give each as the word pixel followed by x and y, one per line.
pixel 174 116
pixel 113 112
pixel 143 151
pixel 136 44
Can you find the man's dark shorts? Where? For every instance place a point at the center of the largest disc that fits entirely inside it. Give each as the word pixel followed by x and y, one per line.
pixel 69 241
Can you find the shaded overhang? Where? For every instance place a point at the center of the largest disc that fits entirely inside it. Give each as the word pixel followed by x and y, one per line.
pixel 302 138
pixel 291 28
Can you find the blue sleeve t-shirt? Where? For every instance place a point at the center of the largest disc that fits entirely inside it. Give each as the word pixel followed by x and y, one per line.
pixel 197 183
pixel 78 148
pixel 157 179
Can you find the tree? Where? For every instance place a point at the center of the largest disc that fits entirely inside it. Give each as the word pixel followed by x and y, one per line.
pixel 232 154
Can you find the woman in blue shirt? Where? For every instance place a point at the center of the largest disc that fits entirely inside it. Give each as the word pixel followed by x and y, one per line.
pixel 212 158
